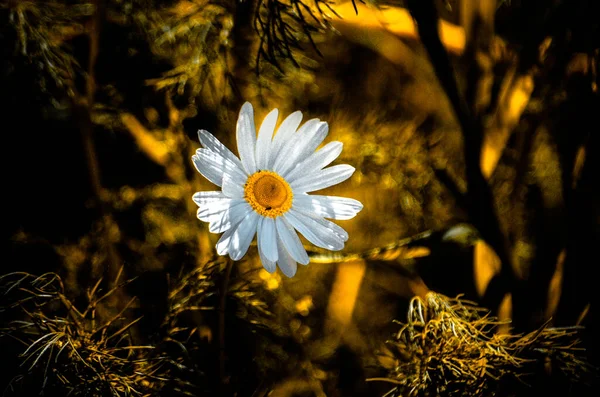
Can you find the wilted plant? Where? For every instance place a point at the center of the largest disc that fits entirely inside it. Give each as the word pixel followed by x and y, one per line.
pixel 76 352
pixel 94 351
pixel 449 347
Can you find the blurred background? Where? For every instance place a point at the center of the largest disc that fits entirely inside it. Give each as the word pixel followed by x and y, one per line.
pixel 473 128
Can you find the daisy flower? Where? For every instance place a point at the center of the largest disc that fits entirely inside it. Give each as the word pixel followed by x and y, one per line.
pixel 265 191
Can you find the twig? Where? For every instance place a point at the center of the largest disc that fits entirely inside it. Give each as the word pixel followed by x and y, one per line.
pixel 480 204
pixel 85 108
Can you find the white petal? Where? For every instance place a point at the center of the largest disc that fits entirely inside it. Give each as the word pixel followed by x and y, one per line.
pixel 213 211
pixel 232 188
pixel 291 241
pixel 320 234
pixel 246 138
pixel 208 169
pixel 307 141
pixel 331 207
pixel 209 141
pixel 202 198
pixel 238 209
pixel 315 161
pixel 322 179
pixel 242 237
pixel 301 145
pixel 267 264
pixel 336 229
pixel 286 263
pixel 223 243
pixel 213 166
pixel 265 136
pixel 285 131
pixel 267 238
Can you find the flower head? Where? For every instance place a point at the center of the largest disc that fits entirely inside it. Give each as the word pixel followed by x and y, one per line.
pixel 265 191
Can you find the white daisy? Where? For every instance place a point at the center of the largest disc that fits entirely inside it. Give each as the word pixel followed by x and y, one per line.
pixel 265 190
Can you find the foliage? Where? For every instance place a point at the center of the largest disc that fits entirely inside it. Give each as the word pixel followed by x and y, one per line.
pixel 96 351
pixel 39 31
pixel 72 351
pixel 450 347
pixel 489 125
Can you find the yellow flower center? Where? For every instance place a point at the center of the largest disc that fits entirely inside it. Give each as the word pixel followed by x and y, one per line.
pixel 268 194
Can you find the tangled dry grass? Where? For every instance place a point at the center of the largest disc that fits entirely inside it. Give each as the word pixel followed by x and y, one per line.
pixel 96 345
pixel 450 347
pixel 77 351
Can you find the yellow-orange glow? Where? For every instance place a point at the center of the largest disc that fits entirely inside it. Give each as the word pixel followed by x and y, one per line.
pixel 397 21
pixel 344 293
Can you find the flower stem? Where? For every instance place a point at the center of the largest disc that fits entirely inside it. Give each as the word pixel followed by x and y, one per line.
pixel 222 305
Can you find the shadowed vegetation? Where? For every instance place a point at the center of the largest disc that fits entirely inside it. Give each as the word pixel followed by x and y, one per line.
pixel 471 126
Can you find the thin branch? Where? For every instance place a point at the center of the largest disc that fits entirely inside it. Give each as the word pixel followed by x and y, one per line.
pixel 85 108
pixel 480 203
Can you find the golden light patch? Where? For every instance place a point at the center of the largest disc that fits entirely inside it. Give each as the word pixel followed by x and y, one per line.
pixel 344 294
pixel 304 305
pixel 486 265
pixel 268 194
